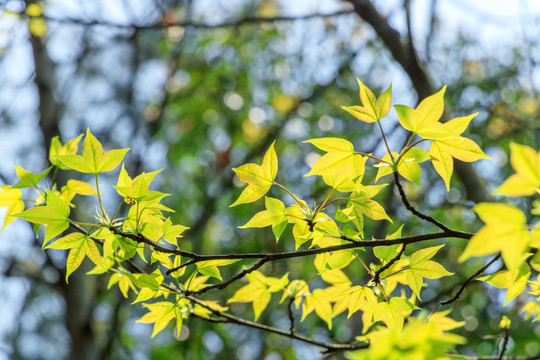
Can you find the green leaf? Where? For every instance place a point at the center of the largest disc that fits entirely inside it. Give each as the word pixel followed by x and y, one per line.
pixel 505 231
pixel 372 109
pixel 341 162
pixel 93 160
pixel 424 120
pixel 393 313
pixel 69 148
pixel 320 302
pixel 12 199
pixel 54 215
pixel 421 267
pixel 443 151
pixel 137 189
pixel 526 180
pixel 172 232
pixel 28 178
pixel 80 246
pixel 258 177
pixel 514 281
pixel 274 216
pixel 160 313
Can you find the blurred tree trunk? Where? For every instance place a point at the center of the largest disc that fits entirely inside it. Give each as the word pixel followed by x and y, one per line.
pixel 79 295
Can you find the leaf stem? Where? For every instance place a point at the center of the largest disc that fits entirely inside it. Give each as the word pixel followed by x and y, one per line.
pixel 290 193
pixel 372 157
pixel 99 196
pixel 323 204
pixel 385 142
pixel 407 148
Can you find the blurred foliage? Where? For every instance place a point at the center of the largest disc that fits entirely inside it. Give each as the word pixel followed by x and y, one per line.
pixel 199 101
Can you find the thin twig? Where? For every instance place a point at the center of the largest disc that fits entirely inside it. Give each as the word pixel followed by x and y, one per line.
pixel 416 212
pixel 471 278
pixel 376 277
pixel 198 25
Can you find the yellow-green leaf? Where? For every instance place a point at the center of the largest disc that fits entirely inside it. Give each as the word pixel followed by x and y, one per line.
pixel 160 313
pixel 372 109
pixel 69 148
pixel 514 281
pixel 93 160
pixel 505 231
pixel 12 199
pixel 54 215
pixel 526 180
pixel 258 177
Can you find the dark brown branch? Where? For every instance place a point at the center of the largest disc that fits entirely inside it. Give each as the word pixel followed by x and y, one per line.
pixel 414 211
pixel 228 318
pixel 291 315
pixel 377 275
pixel 352 245
pixel 197 25
pixel 471 278
pixel 505 344
pixel 330 347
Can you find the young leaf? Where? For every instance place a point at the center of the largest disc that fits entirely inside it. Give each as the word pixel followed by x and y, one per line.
pixel 514 281
pixel 93 160
pixel 12 198
pixel 372 109
pixel 408 165
pixel 160 313
pixel 526 180
pixel 424 120
pixel 421 267
pixel 172 232
pixel 258 177
pixel 340 159
pixel 69 148
pixel 505 231
pixel 274 216
pixel 393 313
pixel 28 178
pixel 80 246
pixel 137 189
pixel 54 215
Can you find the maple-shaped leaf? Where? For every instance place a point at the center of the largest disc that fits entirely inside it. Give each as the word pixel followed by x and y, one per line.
pixel 124 281
pixel 393 313
pixel 372 109
pixel 424 120
pixel 137 189
pixel 340 161
pixel 258 177
pixel 172 232
pixel 160 313
pixel 360 204
pixel 210 267
pixel 259 291
pixel 505 231
pixel 148 284
pixel 526 180
pixel 357 296
pixel 12 199
pixel 28 178
pixel 421 267
pixel 69 148
pixel 76 187
pixel 79 246
pixel 93 160
pixel 443 151
pixel 514 281
pixel 54 215
pixel 274 216
pixel 320 302
pixel 407 167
